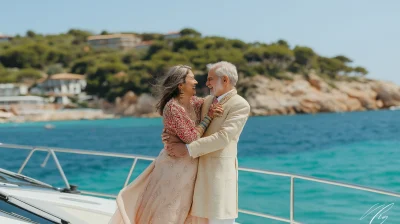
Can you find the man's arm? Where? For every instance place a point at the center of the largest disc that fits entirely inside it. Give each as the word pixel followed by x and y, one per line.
pixel 234 122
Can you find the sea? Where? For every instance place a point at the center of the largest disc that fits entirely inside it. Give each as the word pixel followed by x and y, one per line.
pixel 361 148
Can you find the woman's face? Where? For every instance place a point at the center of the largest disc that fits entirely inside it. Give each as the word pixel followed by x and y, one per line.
pixel 189 87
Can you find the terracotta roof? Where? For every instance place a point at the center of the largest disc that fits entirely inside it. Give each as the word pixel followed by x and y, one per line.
pixel 109 36
pixel 67 76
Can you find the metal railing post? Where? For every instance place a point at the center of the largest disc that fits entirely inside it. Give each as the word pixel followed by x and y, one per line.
pixel 291 200
pixel 45 160
pixel 60 169
pixel 130 172
pixel 26 160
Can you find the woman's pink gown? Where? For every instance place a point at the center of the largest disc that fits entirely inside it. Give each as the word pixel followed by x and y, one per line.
pixel 163 193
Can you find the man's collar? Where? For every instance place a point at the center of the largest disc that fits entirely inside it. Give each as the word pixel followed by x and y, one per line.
pixel 222 96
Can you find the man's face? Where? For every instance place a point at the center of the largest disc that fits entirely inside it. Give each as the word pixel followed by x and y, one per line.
pixel 214 83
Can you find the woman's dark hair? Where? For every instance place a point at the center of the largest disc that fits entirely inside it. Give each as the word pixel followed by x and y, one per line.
pixel 167 86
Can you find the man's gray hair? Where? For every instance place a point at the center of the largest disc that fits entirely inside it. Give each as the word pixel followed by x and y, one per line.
pixel 225 68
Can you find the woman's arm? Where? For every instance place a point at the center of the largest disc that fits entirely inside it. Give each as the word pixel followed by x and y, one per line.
pixel 176 117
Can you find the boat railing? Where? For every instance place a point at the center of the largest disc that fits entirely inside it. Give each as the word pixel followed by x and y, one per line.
pixel 51 151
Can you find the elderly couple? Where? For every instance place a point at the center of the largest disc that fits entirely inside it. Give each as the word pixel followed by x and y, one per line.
pixel 194 179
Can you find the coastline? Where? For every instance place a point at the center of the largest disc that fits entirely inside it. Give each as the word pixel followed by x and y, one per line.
pixel 267 97
pixel 311 94
pixel 61 115
pixel 112 117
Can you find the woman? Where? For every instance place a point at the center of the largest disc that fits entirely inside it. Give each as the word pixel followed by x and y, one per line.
pixel 163 193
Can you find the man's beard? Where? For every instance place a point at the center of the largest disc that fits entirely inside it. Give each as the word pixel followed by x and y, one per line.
pixel 216 88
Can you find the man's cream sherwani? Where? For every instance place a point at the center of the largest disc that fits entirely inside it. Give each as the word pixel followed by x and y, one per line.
pixel 216 187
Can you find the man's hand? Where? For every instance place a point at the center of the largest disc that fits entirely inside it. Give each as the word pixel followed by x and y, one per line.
pixel 167 138
pixel 173 145
pixel 176 149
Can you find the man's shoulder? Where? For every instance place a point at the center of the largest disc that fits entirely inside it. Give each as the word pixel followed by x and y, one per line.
pixel 238 100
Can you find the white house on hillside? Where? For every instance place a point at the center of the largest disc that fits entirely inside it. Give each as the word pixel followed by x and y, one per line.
pixel 61 86
pixel 114 41
pixel 172 35
pixel 11 89
pixel 4 38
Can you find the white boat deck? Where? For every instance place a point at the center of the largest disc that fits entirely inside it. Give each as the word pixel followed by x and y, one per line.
pixel 84 208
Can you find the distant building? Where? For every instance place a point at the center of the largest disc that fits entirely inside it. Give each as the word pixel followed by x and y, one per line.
pixel 172 35
pixel 11 89
pixel 145 45
pixel 4 38
pixel 114 41
pixel 61 86
pixel 8 100
pixel 22 105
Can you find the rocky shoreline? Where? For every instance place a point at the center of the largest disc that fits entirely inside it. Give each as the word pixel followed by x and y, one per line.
pixel 302 95
pixel 60 115
pixel 314 95
pixel 266 96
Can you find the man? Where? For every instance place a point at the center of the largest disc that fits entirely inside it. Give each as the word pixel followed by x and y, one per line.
pixel 216 189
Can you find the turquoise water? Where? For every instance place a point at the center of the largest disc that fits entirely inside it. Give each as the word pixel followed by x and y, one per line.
pixel 359 148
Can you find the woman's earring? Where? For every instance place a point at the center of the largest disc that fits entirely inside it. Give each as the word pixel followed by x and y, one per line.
pixel 181 94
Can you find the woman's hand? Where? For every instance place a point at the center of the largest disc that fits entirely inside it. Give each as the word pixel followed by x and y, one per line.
pixel 215 110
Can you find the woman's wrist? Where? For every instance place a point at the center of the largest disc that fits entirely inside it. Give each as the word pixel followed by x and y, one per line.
pixel 208 117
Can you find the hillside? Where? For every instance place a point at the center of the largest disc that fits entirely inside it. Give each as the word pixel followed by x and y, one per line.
pixel 30 57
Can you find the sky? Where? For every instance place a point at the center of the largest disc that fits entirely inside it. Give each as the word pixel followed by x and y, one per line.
pixel 363 30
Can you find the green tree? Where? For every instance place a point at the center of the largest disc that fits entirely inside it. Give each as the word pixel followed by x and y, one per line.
pixel 277 58
pixel 188 43
pixel 130 57
pixel 305 56
pixel 283 43
pixel 28 74
pixel 80 36
pixel 30 34
pixel 7 76
pixel 343 59
pixel 360 70
pixel 190 32
pixel 238 44
pixel 25 56
pixel 330 66
pixel 154 48
pixel 55 69
pixel 253 54
pixel 86 65
pixel 151 36
pixel 99 83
